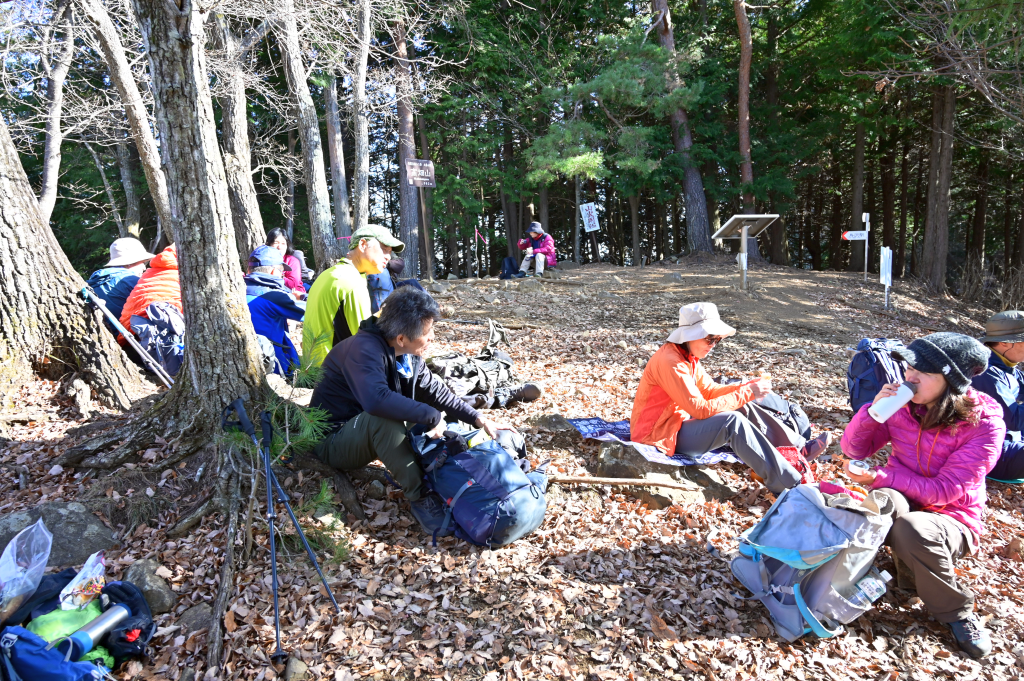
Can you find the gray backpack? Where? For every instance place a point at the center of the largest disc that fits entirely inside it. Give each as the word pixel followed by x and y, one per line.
pixel 809 560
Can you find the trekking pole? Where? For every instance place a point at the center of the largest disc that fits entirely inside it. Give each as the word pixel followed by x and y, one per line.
pixel 154 366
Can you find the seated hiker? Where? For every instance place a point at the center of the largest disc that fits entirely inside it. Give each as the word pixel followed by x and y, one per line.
pixel 540 251
pixel 678 408
pixel 307 274
pixel 271 305
pixel 381 285
pixel 339 299
pixel 158 284
pixel 114 283
pixel 943 444
pixel 374 384
pixel 278 238
pixel 1004 336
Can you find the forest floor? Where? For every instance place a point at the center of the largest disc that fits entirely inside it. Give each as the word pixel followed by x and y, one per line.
pixel 606 588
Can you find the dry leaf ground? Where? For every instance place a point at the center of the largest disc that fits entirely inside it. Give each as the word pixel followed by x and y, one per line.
pixel 605 589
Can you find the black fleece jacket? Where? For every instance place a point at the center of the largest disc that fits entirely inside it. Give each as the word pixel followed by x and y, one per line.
pixel 361 374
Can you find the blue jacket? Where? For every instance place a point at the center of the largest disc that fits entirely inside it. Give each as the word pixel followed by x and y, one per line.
pixel 381 286
pixel 112 285
pixel 1003 384
pixel 271 306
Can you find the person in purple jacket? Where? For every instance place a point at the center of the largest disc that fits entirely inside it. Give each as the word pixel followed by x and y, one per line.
pixel 943 444
pixel 540 251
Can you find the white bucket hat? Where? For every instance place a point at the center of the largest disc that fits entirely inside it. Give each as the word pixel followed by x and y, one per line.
pixel 127 251
pixel 699 320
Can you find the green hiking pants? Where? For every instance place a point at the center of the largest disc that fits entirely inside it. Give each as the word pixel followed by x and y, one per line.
pixel 368 438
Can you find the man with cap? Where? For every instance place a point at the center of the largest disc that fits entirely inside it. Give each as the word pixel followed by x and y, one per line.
pixel 1004 336
pixel 113 283
pixel 540 251
pixel 339 299
pixel 272 304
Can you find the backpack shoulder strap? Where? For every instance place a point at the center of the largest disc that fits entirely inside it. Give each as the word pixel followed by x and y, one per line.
pixel 819 629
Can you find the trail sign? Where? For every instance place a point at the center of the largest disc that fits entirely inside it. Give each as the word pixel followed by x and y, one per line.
pixel 855 236
pixel 743 227
pixel 589 213
pixel 420 172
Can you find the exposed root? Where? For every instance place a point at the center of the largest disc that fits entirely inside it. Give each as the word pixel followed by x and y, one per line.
pixel 215 639
pixel 185 525
pixel 342 484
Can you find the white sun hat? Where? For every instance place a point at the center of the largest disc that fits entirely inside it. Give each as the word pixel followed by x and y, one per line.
pixel 699 320
pixel 127 251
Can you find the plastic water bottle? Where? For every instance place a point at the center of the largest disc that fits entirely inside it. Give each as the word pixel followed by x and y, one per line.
pixel 870 588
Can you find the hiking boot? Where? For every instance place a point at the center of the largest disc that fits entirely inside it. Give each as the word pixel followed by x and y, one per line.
pixel 971 636
pixel 905 578
pixel 527 392
pixel 519 275
pixel 816 447
pixel 429 510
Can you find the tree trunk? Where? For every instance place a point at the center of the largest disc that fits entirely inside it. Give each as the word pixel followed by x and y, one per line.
pixel 940 172
pixel 743 106
pixel 835 250
pixel 857 207
pixel 542 208
pixel 56 72
pixel 360 117
pixel 976 247
pixel 634 219
pixel 336 151
pixel 131 196
pixel 1007 225
pixel 409 205
pixel 576 227
pixel 289 218
pixel 45 326
pixel 427 257
pixel 121 231
pixel 325 245
pixel 918 223
pixel 698 231
pixel 138 119
pixel 888 168
pixel 901 248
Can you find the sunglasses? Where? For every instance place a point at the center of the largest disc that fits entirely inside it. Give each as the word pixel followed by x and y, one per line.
pixel 713 340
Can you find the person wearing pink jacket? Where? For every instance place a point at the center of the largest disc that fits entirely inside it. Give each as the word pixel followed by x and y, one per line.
pixel 278 238
pixel 540 251
pixel 943 444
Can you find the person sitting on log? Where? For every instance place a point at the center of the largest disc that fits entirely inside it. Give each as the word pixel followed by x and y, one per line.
pixel 374 384
pixel 540 251
pixel 114 283
pixel 272 304
pixel 1004 336
pixel 679 409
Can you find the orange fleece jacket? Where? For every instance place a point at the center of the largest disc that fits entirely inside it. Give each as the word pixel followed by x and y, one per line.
pixel 675 388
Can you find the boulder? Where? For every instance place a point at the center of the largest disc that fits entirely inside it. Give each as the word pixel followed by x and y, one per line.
pixel 615 460
pixel 551 274
pixel 568 265
pixel 530 286
pixel 554 422
pixel 157 592
pixel 199 616
pixel 490 298
pixel 295 670
pixel 77 533
pixel 437 287
pixel 453 277
pixel 376 490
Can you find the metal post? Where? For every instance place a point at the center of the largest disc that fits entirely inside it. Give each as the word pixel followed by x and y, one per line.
pixel 867 241
pixel 743 258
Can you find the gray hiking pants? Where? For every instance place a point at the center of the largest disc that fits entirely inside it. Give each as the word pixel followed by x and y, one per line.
pixel 930 544
pixel 751 445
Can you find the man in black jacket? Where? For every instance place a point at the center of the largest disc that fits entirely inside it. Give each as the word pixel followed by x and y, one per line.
pixel 374 383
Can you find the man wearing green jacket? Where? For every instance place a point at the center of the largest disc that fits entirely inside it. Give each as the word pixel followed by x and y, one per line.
pixel 339 299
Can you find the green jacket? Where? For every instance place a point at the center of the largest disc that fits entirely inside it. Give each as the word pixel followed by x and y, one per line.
pixel 338 302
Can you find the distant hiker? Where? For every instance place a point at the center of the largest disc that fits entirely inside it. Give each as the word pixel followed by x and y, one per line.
pixel 278 238
pixel 678 408
pixel 158 284
pixel 339 299
pixel 943 444
pixel 307 274
pixel 271 304
pixel 114 283
pixel 540 251
pixel 381 285
pixel 375 383
pixel 1002 380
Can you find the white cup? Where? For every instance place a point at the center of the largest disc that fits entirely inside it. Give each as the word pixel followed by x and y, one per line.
pixel 883 410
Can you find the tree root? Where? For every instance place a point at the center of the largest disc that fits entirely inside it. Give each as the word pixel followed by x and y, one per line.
pixel 342 484
pixel 215 639
pixel 183 526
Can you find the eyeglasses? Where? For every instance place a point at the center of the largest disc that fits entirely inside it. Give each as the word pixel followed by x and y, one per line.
pixel 713 340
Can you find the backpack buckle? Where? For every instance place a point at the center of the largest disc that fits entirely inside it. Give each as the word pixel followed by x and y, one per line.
pixel 8 640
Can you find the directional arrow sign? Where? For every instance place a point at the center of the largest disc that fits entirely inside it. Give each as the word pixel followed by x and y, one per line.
pixel 855 236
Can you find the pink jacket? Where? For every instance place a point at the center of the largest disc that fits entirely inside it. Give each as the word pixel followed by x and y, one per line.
pixel 939 470
pixel 547 248
pixel 293 279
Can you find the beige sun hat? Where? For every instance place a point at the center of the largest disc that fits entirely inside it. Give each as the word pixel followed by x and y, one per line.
pixel 699 320
pixel 127 251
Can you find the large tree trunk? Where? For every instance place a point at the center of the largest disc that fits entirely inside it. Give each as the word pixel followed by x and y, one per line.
pixel 131 195
pixel 427 256
pixel 698 231
pixel 888 168
pixel 325 245
pixel 743 106
pixel 361 127
pixel 901 247
pixel 55 68
pixel 857 204
pixel 245 208
pixel 408 231
pixel 634 220
pixel 45 325
pixel 835 242
pixel 134 107
pixel 940 173
pixel 339 182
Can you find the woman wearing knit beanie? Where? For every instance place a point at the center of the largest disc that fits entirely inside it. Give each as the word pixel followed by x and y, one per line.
pixel 943 444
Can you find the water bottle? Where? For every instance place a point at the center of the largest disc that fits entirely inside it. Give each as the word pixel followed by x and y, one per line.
pixel 882 410
pixel 88 637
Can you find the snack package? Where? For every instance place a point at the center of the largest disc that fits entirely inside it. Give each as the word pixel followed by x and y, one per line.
pixel 86 585
pixel 22 565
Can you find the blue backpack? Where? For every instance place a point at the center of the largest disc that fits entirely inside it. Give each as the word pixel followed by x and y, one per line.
pixel 871 368
pixel 24 656
pixel 490 499
pixel 509 267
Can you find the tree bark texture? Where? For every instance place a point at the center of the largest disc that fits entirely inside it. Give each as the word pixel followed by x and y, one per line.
pixel 408 199
pixel 743 105
pixel 325 245
pixel 336 151
pixel 289 218
pixel 901 246
pixel 45 325
pixel 888 168
pixel 245 208
pixel 857 203
pixel 131 195
pixel 976 245
pixel 361 127
pixel 121 231
pixel 835 242
pixel 698 231
pixel 55 66
pixel 940 171
pixel 634 219
pixel 135 109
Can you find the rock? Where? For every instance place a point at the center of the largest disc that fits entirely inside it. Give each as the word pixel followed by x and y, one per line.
pixel 568 265
pixel 197 617
pixel 437 287
pixel 674 276
pixel 523 312
pixel 530 285
pixel 77 533
pixel 554 422
pixel 622 344
pixel 951 319
pixel 82 394
pixel 188 674
pixel 375 490
pixel 608 294
pixel 796 352
pixel 158 594
pixel 490 298
pixel 551 274
pixel 295 670
pixel 285 391
pixel 615 460
pixel 453 277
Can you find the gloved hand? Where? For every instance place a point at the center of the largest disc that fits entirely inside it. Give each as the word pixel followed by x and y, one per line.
pixel 128 594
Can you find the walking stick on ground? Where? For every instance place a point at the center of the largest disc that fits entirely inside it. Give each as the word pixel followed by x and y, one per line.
pixel 154 366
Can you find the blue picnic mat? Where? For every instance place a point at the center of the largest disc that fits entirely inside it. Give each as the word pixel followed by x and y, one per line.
pixel 618 431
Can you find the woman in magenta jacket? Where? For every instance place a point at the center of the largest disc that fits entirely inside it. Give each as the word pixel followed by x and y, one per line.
pixel 943 444
pixel 540 250
pixel 278 238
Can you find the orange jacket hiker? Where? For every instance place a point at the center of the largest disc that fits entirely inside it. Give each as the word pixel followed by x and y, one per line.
pixel 674 388
pixel 159 283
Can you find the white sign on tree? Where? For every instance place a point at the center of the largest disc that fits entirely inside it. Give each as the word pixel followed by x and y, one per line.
pixel 589 213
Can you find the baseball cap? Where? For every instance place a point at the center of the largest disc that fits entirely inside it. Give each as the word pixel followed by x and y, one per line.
pixel 267 256
pixel 379 233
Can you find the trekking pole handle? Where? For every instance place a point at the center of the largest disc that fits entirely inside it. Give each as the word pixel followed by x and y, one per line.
pixel 268 428
pixel 243 418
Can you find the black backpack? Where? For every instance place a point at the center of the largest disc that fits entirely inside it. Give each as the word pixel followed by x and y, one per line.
pixel 872 367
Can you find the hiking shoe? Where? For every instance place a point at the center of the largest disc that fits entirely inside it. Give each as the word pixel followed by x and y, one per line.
pixel 816 447
pixel 519 275
pixel 971 636
pixel 429 510
pixel 527 392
